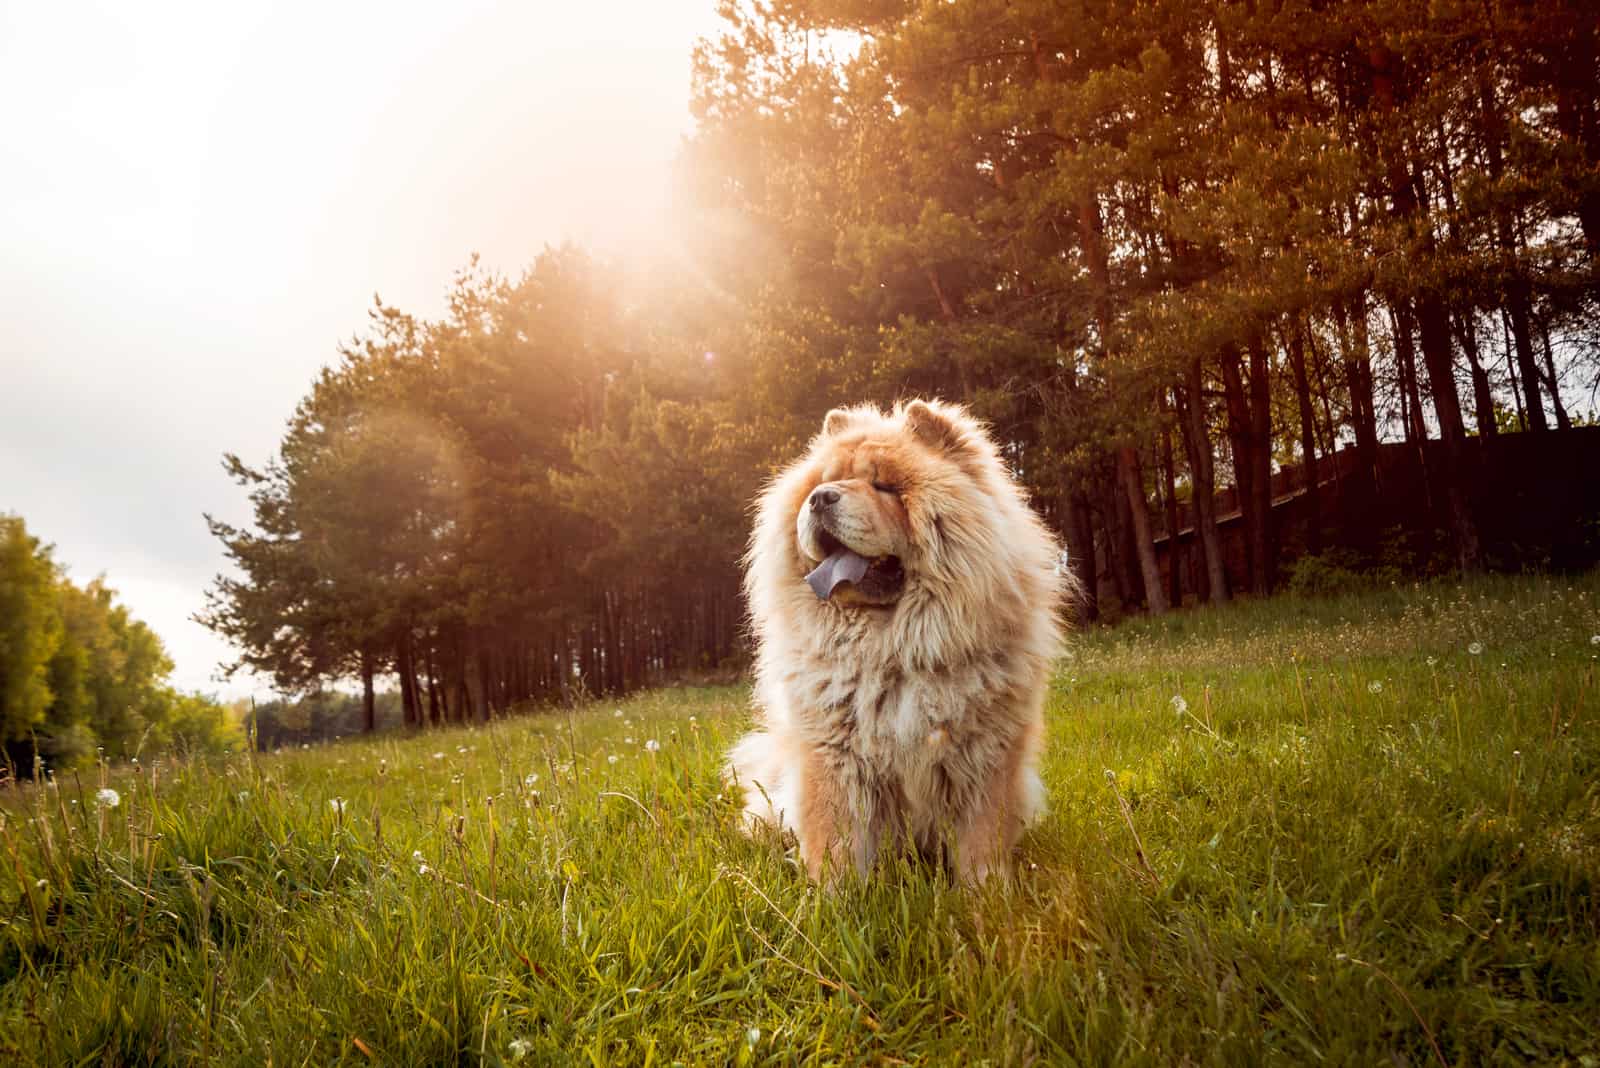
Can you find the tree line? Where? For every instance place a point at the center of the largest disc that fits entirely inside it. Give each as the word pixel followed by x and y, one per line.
pixel 80 677
pixel 1162 247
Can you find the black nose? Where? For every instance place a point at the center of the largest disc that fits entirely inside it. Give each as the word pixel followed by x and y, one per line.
pixel 823 497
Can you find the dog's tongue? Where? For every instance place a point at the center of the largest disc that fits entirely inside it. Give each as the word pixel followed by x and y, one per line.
pixel 842 566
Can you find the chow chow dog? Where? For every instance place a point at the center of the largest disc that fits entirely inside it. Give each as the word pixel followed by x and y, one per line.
pixel 905 600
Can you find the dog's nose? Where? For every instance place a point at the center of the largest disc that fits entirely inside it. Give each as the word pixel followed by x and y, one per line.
pixel 822 497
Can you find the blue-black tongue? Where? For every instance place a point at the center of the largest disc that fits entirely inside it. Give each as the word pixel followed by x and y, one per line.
pixel 840 566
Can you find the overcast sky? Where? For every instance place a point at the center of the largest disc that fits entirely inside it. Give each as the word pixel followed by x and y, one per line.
pixel 198 202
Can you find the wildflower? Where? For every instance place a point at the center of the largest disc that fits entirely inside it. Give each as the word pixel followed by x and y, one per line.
pixel 461 749
pixel 106 797
pixel 612 759
pixel 628 740
pixel 530 778
pixel 423 869
pixel 1179 705
pixel 752 1036
pixel 1432 661
pixel 652 746
pixel 244 795
pixel 616 712
pixel 1374 687
pixel 438 756
pixel 1591 642
pixel 1594 639
pixel 519 1048
pixel 1476 648
pixel 337 804
pixel 41 884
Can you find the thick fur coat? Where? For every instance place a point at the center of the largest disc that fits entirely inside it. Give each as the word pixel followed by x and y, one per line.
pixel 908 703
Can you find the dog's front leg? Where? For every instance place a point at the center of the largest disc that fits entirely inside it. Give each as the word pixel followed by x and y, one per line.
pixel 989 829
pixel 838 827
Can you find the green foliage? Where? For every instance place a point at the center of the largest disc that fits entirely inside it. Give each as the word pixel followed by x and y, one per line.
pixel 79 674
pixel 1367 830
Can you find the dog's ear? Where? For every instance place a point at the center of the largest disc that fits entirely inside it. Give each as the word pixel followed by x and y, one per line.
pixel 836 421
pixel 934 427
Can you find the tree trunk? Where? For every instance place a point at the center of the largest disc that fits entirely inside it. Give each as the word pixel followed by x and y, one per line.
pixel 1244 469
pixel 1517 305
pixel 1356 343
pixel 1079 524
pixel 1139 513
pixel 1308 436
pixel 1563 420
pixel 1202 472
pixel 369 703
pixel 1482 393
pixel 1447 408
pixel 408 690
pixel 1169 475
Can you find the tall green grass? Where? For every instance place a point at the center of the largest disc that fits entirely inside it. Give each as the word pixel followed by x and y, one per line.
pixel 1344 831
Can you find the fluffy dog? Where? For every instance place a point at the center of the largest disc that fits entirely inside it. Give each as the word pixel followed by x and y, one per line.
pixel 905 599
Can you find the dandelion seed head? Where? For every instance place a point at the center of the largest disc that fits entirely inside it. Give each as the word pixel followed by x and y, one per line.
pixel 106 797
pixel 617 712
pixel 651 746
pixel 612 759
pixel 1374 687
pixel 438 756
pixel 1475 648
pixel 1179 705
pixel 753 1036
pixel 337 804
pixel 530 778
pixel 519 1048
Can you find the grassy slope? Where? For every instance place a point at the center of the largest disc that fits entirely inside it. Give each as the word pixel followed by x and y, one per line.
pixel 1332 871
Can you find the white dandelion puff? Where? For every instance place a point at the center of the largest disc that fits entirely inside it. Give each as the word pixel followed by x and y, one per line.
pixel 337 804
pixel 617 712
pixel 438 756
pixel 106 797
pixel 1476 648
pixel 752 1036
pixel 652 746
pixel 519 1048
pixel 1594 639
pixel 1179 705
pixel 612 759
pixel 1374 687
pixel 530 778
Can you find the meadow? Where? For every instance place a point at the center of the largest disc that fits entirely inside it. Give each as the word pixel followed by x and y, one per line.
pixel 1349 830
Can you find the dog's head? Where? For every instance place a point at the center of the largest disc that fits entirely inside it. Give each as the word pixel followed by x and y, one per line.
pixel 885 501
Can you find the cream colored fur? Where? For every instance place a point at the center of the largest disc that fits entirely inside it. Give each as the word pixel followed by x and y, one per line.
pixel 923 716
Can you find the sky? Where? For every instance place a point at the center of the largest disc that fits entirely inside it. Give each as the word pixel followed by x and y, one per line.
pixel 199 202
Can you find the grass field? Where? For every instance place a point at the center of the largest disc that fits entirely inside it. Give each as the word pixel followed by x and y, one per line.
pixel 1363 830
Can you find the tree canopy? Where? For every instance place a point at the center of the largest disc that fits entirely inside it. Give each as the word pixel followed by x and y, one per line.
pixel 1167 249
